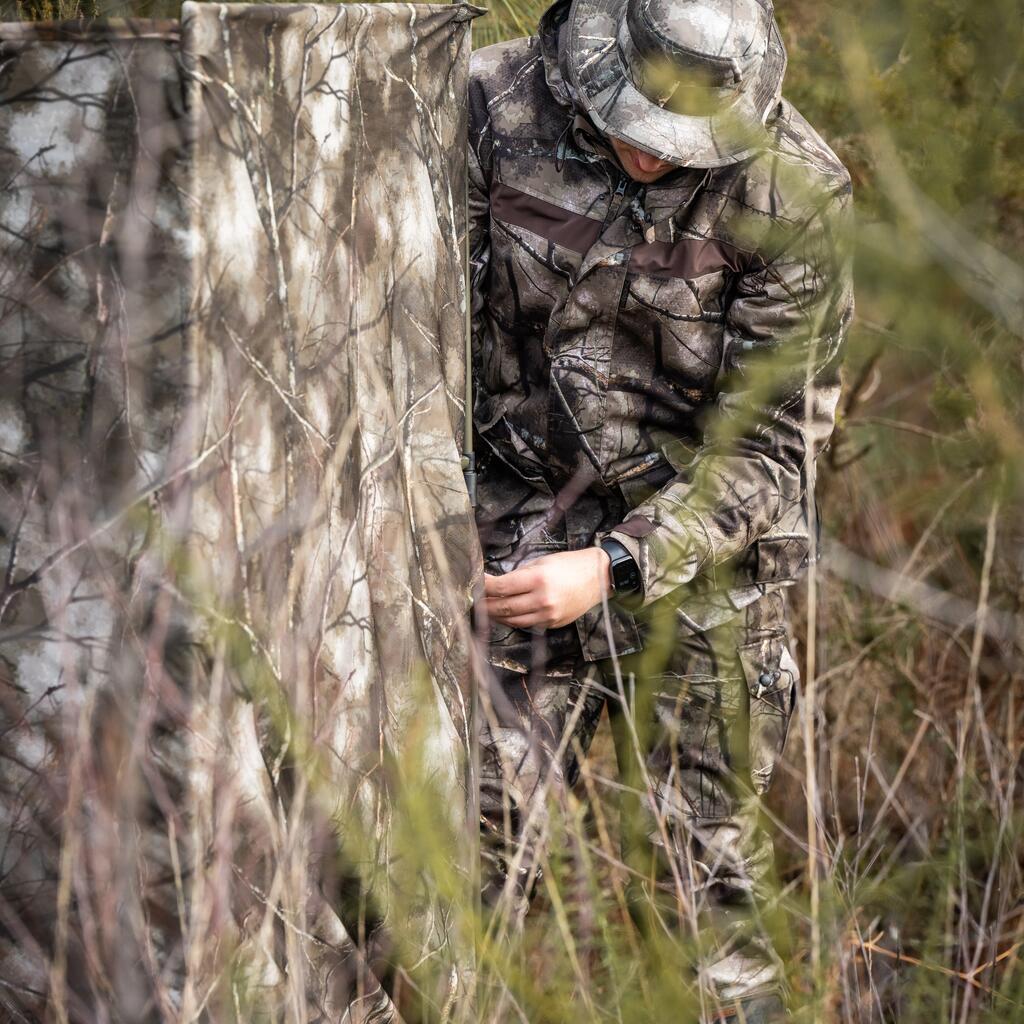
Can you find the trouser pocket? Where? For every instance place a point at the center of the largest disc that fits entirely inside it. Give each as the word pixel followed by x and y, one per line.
pixel 771 676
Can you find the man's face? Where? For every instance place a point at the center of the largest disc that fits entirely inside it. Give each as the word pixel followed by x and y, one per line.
pixel 640 165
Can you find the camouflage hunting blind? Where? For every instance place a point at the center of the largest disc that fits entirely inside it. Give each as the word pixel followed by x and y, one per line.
pixel 232 314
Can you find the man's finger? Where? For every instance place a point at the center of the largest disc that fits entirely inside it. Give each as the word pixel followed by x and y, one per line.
pixel 525 621
pixel 519 581
pixel 502 608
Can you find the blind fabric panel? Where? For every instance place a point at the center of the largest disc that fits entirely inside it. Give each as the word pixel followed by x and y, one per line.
pixel 239 552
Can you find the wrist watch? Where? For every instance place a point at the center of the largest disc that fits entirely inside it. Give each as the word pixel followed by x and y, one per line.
pixel 626 581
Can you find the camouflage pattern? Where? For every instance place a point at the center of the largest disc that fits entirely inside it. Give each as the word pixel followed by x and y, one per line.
pixel 711 712
pixel 658 364
pixel 672 349
pixel 232 344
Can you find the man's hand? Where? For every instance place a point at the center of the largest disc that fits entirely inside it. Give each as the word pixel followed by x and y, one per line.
pixel 550 591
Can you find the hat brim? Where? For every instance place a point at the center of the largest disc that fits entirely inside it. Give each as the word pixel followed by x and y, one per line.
pixel 618 108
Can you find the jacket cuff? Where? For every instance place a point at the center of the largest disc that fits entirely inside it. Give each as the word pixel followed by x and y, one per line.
pixel 668 554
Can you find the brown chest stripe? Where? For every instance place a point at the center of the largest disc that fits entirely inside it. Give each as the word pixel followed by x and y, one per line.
pixel 687 257
pixel 573 230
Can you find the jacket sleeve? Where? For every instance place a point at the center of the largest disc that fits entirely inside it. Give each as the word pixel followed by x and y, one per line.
pixel 783 341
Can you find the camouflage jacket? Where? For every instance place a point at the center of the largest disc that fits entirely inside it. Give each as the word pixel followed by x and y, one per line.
pixel 669 351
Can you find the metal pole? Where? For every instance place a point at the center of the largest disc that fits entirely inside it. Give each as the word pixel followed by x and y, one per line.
pixel 468 455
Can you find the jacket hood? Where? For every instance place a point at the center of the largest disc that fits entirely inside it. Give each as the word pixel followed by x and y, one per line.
pixel 551 31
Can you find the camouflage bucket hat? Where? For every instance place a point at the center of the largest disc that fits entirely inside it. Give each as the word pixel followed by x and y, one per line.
pixel 691 81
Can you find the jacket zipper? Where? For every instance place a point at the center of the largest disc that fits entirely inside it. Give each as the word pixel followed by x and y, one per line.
pixel 615 203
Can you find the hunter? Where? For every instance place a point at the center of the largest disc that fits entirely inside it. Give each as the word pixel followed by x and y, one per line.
pixel 661 288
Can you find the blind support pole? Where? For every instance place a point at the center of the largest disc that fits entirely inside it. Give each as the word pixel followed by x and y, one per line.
pixel 468 455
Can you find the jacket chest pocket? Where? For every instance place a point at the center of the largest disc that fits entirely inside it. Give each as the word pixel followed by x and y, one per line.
pixel 682 321
pixel 530 277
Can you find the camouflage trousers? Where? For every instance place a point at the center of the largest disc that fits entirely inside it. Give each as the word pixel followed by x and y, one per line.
pixel 699 723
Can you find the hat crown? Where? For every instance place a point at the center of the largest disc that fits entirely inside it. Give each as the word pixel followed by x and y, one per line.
pixel 722 40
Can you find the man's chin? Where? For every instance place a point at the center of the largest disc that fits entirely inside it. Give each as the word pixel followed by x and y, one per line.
pixel 647 177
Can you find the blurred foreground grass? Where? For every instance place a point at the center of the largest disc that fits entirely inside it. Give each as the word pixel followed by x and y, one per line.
pixel 916 911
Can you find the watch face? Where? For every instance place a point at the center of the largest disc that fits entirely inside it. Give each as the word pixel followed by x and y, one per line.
pixel 625 572
pixel 626 576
